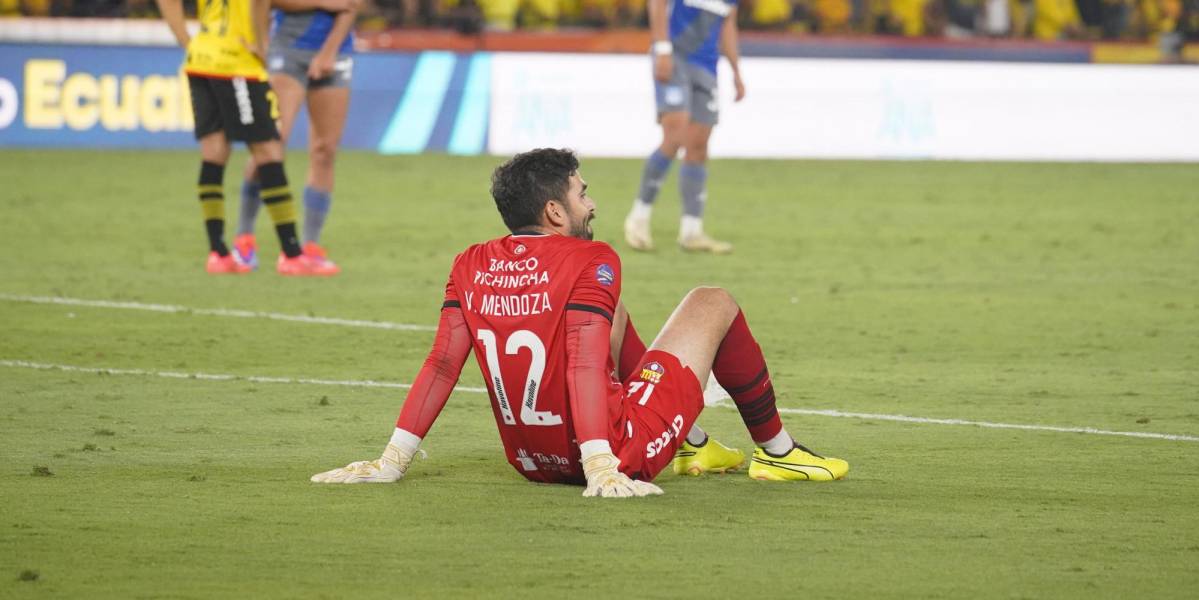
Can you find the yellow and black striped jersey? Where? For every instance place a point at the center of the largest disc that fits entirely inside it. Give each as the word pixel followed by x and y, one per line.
pixel 220 49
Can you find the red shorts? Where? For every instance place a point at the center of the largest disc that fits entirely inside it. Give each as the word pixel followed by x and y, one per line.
pixel 662 400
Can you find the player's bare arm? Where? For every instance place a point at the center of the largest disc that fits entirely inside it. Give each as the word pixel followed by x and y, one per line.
pixel 730 49
pixel 260 18
pixel 172 13
pixel 324 61
pixel 662 49
pixel 347 11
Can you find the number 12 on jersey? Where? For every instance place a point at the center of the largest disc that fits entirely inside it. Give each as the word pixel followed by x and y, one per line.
pixel 523 338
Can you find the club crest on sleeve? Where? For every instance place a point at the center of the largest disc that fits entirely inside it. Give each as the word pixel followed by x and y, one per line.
pixel 653 372
pixel 605 275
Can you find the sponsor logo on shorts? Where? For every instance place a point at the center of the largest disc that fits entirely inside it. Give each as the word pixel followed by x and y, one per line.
pixel 672 95
pixel 241 92
pixel 662 442
pixel 653 372
pixel 605 275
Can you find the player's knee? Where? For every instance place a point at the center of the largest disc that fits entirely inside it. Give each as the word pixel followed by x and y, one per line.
pixel 713 299
pixel 215 152
pixel 219 158
pixel 266 152
pixel 673 137
pixel 696 152
pixel 322 153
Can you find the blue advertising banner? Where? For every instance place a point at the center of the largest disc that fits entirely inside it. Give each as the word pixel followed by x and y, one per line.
pixel 137 97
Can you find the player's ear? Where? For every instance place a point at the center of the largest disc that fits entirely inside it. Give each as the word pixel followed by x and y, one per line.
pixel 555 214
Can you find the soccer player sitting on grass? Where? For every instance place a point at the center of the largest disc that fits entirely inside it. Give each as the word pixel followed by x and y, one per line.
pixel 541 309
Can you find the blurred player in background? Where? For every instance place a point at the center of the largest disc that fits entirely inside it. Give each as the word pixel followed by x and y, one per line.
pixel 541 309
pixel 689 37
pixel 309 59
pixel 232 101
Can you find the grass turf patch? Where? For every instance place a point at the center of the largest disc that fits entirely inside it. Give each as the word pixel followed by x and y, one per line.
pixel 1039 294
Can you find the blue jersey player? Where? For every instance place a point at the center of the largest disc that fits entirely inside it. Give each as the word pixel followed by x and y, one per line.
pixel 309 60
pixel 689 37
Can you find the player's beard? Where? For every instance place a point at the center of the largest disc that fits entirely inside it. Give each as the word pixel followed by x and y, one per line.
pixel 581 228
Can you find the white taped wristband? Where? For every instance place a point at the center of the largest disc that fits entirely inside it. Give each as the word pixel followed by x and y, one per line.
pixel 593 447
pixel 663 47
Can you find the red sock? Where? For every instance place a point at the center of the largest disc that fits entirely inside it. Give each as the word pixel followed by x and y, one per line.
pixel 631 350
pixel 740 369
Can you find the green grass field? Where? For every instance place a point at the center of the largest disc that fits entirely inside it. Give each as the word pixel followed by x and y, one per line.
pixel 1046 295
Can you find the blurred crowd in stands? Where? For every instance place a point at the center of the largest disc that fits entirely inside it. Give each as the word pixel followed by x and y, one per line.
pixel 1116 20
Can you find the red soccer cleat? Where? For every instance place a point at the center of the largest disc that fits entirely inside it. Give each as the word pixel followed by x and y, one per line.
pixel 246 250
pixel 304 266
pixel 317 254
pixel 225 265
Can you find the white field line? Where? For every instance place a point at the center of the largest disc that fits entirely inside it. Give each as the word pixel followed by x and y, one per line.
pixel 985 424
pixel 23 364
pixel 215 312
pixel 723 404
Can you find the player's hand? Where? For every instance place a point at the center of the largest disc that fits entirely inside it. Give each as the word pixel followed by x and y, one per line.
pixel 258 49
pixel 738 87
pixel 322 66
pixel 663 67
pixel 388 468
pixel 604 480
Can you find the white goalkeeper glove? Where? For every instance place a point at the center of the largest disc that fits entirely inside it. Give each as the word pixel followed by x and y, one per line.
pixel 386 469
pixel 606 481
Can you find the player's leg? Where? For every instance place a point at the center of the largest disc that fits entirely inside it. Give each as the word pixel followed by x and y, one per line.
pixel 671 100
pixel 290 94
pixel 276 196
pixel 327 108
pixel 256 127
pixel 657 166
pixel 693 173
pixel 708 332
pixel 627 351
pixel 214 154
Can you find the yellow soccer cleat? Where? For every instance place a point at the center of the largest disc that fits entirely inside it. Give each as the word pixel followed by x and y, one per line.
pixel 800 464
pixel 712 457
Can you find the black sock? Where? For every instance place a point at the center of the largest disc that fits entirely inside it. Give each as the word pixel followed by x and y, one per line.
pixel 278 201
pixel 212 204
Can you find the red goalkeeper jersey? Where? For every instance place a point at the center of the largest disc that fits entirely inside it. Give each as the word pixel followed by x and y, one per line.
pixel 514 293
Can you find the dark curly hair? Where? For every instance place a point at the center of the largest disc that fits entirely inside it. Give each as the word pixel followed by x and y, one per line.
pixel 523 185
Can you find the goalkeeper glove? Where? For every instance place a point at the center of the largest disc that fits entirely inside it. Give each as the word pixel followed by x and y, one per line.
pixel 386 469
pixel 606 481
